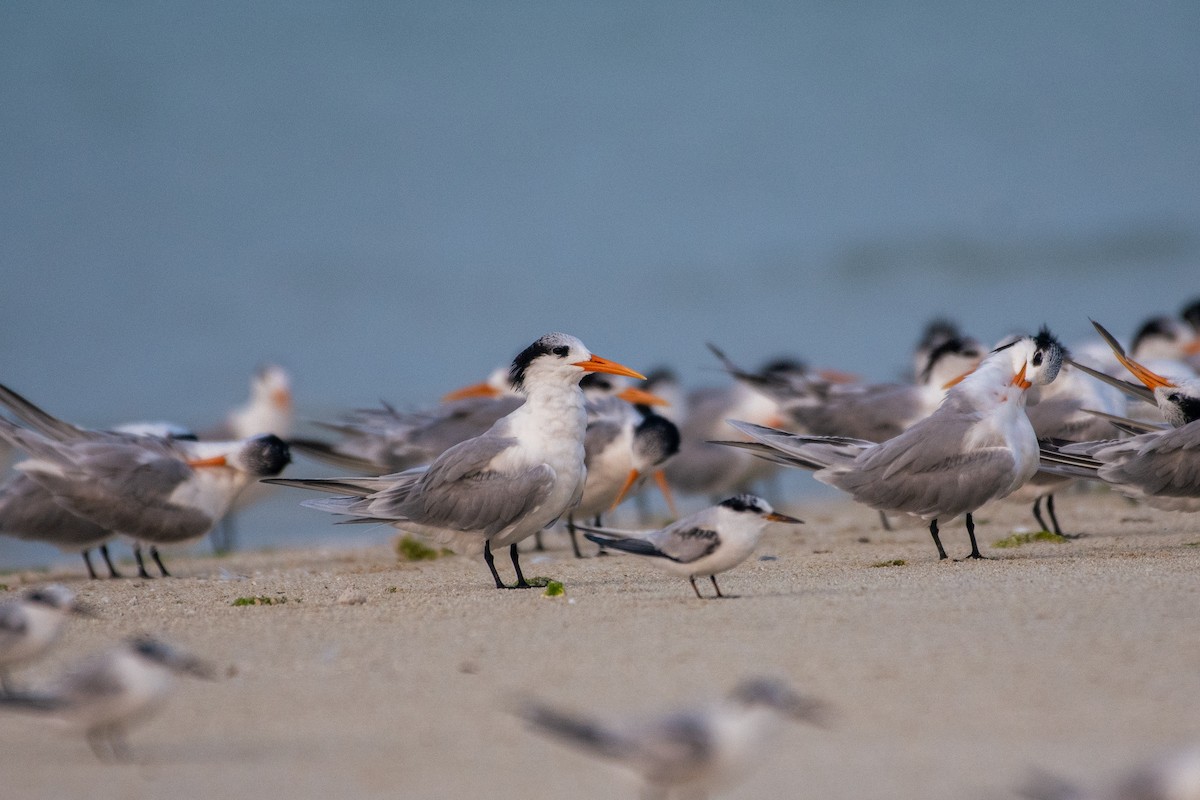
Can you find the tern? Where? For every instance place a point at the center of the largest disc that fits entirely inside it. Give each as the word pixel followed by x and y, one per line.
pixel 689 752
pixel 152 489
pixel 703 544
pixel 30 624
pixel 1172 776
pixel 1160 467
pixel 110 692
pixel 623 443
pixel 978 445
pixel 498 488
pixel 267 410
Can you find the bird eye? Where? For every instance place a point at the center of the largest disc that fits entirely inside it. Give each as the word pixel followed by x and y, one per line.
pixel 1037 358
pixel 561 351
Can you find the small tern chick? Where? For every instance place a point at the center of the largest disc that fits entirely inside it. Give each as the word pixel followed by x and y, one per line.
pixel 112 691
pixel 30 624
pixel 978 445
pixel 689 752
pixel 708 542
pixel 500 487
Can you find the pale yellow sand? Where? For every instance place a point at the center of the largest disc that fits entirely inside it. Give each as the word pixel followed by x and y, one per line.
pixel 950 680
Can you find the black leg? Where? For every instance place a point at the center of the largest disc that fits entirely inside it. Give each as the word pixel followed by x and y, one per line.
pixel 224 536
pixel 602 552
pixel 884 521
pixel 695 588
pixel 161 567
pixel 713 578
pixel 1054 519
pixel 491 562
pixel 515 556
pixel 137 555
pixel 112 571
pixel 933 531
pixel 539 545
pixel 971 533
pixel 571 533
pixel 87 559
pixel 1037 513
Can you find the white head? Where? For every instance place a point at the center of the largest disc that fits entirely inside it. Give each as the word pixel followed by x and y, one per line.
pixel 750 506
pixel 559 359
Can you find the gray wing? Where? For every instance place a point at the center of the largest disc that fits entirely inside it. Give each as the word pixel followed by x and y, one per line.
pixel 462 491
pixel 685 543
pixel 927 471
pixel 123 486
pixel 676 747
pixel 1162 466
pixel 874 413
pixel 28 511
pixel 598 436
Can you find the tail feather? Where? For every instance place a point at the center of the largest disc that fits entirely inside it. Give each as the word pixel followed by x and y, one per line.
pixel 40 703
pixel 38 419
pixel 636 546
pixel 327 453
pixel 580 732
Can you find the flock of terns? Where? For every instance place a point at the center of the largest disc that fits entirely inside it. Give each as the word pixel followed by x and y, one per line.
pixel 561 435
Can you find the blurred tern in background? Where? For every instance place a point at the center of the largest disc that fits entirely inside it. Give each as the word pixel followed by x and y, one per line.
pixel 1160 467
pixel 269 409
pixel 690 752
pixel 30 624
pixel 151 489
pixel 976 447
pixel 703 544
pixel 110 692
pixel 500 487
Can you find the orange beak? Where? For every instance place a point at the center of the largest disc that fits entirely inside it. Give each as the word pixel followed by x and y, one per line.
pixel 660 478
pixel 640 397
pixel 1019 379
pixel 214 461
pixel 281 398
pixel 837 376
pixel 1152 379
pixel 775 516
pixel 474 390
pixel 598 364
pixel 629 482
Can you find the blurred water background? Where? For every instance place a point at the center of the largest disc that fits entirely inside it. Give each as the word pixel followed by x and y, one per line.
pixel 391 199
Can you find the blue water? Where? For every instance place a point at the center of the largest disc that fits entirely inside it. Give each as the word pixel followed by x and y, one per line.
pixel 392 198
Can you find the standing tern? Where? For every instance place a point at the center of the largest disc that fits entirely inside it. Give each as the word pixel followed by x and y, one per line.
pixel 108 693
pixel 151 489
pixel 703 544
pixel 500 487
pixel 976 447
pixel 689 752
pixel 30 624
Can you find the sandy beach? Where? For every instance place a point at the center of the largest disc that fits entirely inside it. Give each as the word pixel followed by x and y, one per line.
pixel 948 680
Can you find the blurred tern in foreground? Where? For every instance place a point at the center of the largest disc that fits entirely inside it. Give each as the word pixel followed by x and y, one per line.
pixel 1174 776
pixel 708 542
pixel 110 692
pixel 151 489
pixel 1161 467
pixel 976 447
pixel 30 624
pixel 689 752
pixel 500 487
